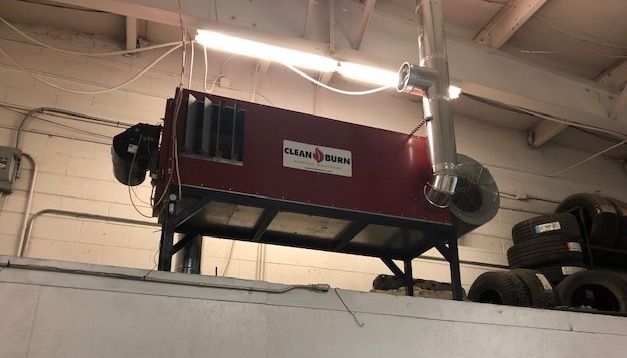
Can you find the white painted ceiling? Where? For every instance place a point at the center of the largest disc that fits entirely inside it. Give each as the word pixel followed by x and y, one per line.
pixel 579 37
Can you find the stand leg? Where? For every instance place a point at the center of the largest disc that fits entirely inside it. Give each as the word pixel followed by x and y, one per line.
pixel 456 281
pixel 409 278
pixel 165 248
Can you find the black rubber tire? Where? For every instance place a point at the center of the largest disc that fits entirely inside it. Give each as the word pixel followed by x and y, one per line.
pixel 526 230
pixel 600 216
pixel 540 295
pixel 499 288
pixel 545 251
pixel 572 288
pixel 387 282
pixel 621 208
pixel 555 274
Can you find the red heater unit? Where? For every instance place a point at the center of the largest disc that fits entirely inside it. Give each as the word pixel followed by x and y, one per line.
pixel 245 171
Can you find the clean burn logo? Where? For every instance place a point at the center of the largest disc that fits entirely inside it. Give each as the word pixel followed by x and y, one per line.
pixel 318 155
pixel 318 159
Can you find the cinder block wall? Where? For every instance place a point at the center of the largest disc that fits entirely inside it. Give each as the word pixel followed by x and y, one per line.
pixel 75 166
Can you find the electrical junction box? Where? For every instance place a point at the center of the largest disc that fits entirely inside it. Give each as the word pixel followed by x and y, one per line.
pixel 9 162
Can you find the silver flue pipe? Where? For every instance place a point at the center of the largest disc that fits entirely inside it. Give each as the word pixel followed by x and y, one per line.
pixel 436 106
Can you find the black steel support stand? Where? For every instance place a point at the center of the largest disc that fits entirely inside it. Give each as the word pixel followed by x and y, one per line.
pixel 456 281
pixel 409 278
pixel 166 247
pixel 451 255
pixel 188 258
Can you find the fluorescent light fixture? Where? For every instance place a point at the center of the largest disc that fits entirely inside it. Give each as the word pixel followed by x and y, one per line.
pixel 239 46
pixel 368 74
pixel 249 48
pixel 454 92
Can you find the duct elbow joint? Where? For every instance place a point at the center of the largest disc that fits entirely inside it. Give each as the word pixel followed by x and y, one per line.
pixel 442 186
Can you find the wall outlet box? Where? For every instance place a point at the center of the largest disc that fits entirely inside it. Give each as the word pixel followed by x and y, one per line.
pixel 9 163
pixel 225 82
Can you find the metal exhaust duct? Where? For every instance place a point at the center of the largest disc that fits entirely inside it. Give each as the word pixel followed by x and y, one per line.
pixel 436 108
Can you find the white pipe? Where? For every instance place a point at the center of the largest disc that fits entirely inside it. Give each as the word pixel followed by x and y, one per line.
pixel 29 203
pixel 78 215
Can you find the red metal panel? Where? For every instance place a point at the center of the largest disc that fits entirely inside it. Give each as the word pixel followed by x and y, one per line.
pixel 389 169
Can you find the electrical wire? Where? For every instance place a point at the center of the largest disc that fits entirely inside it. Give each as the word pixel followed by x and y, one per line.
pixel 551 26
pixel 4 203
pixel 571 123
pixel 521 110
pixel 333 89
pixel 597 135
pixel 255 82
pixel 138 198
pixel 49 133
pixel 318 287
pixel 182 26
pixel 67 7
pixel 115 88
pixel 178 107
pixel 552 52
pixel 229 259
pixel 46 110
pixel 68 127
pixel 74 129
pixel 604 54
pixel 360 324
pixel 56 135
pixel 174 153
pixel 215 80
pixel 191 66
pixel 130 175
pixel 204 82
pixel 587 159
pixel 75 116
pixel 91 54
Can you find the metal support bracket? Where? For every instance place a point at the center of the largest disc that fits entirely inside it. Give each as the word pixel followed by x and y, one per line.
pixel 406 276
pixel 166 246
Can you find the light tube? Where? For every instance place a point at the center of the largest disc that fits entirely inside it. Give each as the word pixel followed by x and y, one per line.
pixel 239 46
pixel 249 48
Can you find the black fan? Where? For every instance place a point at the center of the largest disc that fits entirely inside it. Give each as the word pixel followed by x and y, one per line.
pixel 476 198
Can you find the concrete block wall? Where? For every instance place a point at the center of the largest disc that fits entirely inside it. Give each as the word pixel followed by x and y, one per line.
pixel 75 167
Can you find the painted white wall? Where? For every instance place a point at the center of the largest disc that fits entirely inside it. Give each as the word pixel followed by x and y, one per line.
pixel 61 313
pixel 75 174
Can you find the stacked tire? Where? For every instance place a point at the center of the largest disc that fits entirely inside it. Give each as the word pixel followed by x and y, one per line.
pixel 594 290
pixel 520 287
pixel 605 222
pixel 550 244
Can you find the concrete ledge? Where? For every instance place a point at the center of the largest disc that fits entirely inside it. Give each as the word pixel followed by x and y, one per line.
pixel 91 310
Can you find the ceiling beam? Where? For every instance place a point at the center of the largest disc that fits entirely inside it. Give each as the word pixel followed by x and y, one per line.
pixel 131 33
pixel 507 21
pixel 365 18
pixel 480 71
pixel 615 76
pixel 543 131
pixel 332 18
pixel 308 16
pixel 619 104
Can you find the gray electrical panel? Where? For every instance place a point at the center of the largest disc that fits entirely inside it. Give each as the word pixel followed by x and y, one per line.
pixel 9 162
